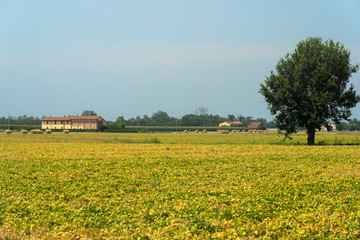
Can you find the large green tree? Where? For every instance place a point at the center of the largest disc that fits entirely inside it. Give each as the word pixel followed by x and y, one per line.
pixel 311 87
pixel 161 118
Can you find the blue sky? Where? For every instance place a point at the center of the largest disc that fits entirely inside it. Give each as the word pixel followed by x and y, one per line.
pixel 128 58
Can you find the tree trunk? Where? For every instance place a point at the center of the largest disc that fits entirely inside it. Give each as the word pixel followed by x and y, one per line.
pixel 311 136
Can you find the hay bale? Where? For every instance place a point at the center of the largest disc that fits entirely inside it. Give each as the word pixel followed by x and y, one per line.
pixel 23 132
pixel 204 131
pixel 196 131
pixel 225 131
pixel 7 131
pixel 66 131
pixel 36 131
pixel 47 131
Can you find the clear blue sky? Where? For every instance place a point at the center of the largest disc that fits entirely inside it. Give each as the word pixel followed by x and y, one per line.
pixel 136 57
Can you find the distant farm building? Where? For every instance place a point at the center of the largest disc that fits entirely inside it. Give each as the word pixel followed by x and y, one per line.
pixel 332 127
pixel 255 125
pixel 230 124
pixel 75 122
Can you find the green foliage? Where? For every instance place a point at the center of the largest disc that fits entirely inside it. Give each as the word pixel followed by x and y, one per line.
pixel 160 118
pixel 310 87
pixel 20 127
pixel 89 113
pixel 115 127
pixel 351 125
pixel 200 119
pixel 122 125
pixel 20 120
pixel 155 140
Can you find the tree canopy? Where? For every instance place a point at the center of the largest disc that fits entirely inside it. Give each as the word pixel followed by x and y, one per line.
pixel 89 113
pixel 311 87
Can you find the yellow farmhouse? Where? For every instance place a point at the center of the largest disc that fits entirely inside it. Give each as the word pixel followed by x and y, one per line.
pixel 75 122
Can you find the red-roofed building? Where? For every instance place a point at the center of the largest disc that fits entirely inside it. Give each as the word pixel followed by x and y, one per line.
pixel 74 122
pixel 255 125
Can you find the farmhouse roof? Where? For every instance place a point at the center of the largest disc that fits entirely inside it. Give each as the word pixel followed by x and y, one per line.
pixel 71 118
pixel 254 125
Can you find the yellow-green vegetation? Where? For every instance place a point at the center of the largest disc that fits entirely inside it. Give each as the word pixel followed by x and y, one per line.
pixel 184 186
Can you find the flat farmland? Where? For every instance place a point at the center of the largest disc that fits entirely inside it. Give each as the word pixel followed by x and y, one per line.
pixel 179 186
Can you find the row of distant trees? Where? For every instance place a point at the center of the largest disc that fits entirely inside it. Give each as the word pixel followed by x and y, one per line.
pixel 160 118
pixel 351 125
pixel 20 120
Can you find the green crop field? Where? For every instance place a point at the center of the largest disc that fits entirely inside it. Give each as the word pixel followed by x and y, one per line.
pixel 179 186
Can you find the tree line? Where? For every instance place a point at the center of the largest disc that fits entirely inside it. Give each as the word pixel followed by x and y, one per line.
pixel 20 120
pixel 200 117
pixel 351 125
pixel 161 118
